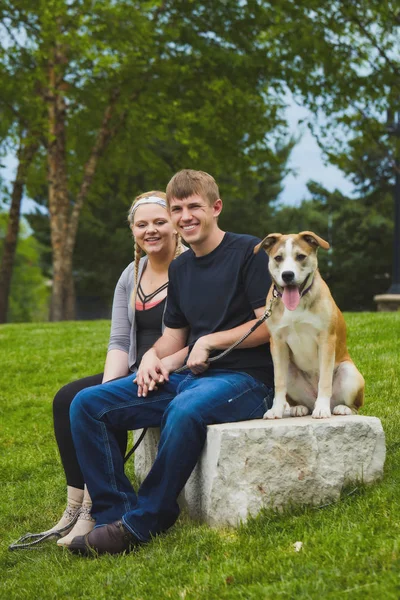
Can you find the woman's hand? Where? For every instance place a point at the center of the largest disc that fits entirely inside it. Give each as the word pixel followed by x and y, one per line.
pixel 150 373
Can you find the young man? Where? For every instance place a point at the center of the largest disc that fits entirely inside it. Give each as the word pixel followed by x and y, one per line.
pixel 216 292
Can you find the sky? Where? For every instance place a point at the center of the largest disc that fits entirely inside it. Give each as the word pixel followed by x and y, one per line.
pixel 306 161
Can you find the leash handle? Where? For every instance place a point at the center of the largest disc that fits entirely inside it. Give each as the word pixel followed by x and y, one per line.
pixel 30 540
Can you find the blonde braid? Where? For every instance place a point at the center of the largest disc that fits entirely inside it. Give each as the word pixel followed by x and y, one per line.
pixel 137 257
pixel 179 247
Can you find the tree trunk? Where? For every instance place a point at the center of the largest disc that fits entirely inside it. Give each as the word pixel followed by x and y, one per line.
pixel 69 290
pixel 63 225
pixel 103 137
pixel 26 153
pixel 58 185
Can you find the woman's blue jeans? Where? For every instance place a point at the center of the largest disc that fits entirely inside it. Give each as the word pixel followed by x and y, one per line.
pixel 182 408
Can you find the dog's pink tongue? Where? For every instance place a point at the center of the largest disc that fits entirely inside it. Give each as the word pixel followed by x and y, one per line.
pixel 291 297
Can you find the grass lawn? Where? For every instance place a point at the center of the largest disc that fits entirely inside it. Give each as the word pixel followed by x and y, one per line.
pixel 351 549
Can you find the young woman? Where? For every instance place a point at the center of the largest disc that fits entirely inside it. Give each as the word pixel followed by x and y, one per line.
pixel 137 322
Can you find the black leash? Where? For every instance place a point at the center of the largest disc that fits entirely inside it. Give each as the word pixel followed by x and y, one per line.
pixel 29 541
pixel 132 450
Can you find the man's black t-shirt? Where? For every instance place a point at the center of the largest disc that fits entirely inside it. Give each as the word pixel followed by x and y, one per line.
pixel 219 291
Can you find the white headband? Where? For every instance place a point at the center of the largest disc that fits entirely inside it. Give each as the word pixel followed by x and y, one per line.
pixel 148 200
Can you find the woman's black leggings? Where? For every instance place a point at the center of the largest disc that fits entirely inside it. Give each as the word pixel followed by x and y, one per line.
pixel 62 428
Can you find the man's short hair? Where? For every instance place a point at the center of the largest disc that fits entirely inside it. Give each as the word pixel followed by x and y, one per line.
pixel 188 183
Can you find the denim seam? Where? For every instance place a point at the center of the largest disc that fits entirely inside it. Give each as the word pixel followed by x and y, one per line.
pixel 253 381
pixel 262 403
pixel 245 392
pixel 111 467
pixel 132 530
pixel 188 376
pixel 232 398
pixel 270 392
pixel 129 404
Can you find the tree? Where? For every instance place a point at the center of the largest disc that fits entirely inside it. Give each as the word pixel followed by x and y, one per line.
pixel 359 232
pixel 192 74
pixel 26 153
pixel 29 292
pixel 18 121
pixel 249 204
pixel 341 59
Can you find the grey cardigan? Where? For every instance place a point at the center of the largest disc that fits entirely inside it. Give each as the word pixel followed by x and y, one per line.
pixel 123 322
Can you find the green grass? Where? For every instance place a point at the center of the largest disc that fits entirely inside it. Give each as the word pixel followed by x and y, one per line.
pixel 351 549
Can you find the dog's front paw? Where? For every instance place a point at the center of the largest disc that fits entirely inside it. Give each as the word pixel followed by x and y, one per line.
pixel 321 412
pixel 274 413
pixel 322 408
pixel 342 409
pixel 299 411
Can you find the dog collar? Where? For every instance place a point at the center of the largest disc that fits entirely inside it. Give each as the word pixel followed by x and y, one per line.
pixel 302 291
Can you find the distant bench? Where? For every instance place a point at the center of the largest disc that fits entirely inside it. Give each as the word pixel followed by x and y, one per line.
pixel 249 465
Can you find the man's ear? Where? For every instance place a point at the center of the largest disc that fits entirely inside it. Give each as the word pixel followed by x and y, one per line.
pixel 217 207
pixel 268 242
pixel 314 240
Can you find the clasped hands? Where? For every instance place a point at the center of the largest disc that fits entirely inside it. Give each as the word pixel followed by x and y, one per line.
pixel 154 371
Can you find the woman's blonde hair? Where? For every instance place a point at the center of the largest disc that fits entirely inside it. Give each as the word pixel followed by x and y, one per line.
pixel 137 249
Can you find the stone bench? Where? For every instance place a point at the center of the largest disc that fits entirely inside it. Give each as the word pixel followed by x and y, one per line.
pixel 249 465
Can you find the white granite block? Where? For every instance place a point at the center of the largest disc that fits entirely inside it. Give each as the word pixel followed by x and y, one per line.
pixel 249 465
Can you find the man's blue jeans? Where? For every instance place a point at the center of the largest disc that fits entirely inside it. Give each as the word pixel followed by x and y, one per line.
pixel 182 407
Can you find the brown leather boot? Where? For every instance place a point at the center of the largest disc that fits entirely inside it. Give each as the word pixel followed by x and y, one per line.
pixel 106 539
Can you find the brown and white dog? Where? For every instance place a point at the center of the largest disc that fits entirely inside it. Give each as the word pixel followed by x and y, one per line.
pixel 313 370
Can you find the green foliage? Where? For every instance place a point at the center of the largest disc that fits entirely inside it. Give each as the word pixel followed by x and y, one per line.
pixel 29 293
pixel 350 548
pixel 359 231
pixel 187 83
pixel 341 59
pixel 249 204
pixel 191 85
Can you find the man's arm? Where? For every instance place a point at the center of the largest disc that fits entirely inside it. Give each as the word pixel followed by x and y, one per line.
pixel 151 369
pixel 174 361
pixel 197 360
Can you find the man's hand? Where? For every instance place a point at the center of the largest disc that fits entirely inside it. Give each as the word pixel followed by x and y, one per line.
pixel 174 361
pixel 197 361
pixel 150 373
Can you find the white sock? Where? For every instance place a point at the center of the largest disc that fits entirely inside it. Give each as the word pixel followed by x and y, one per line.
pixel 74 503
pixel 84 524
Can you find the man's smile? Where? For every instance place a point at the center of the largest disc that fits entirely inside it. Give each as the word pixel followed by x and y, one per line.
pixel 189 227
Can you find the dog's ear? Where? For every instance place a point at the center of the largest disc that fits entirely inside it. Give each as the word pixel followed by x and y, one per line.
pixel 314 240
pixel 268 242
